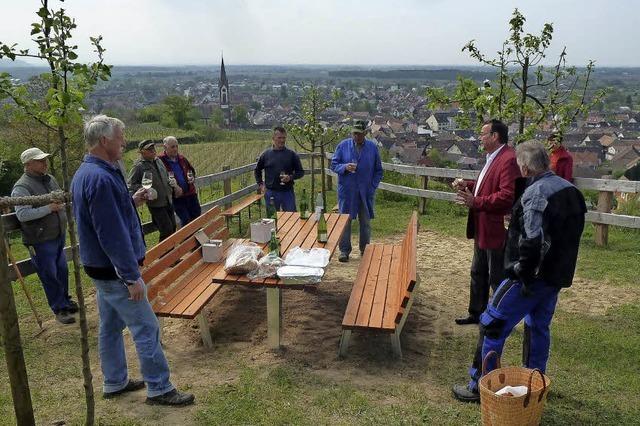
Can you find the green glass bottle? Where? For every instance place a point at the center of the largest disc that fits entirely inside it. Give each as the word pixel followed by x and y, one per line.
pixel 323 236
pixel 304 205
pixel 274 244
pixel 272 213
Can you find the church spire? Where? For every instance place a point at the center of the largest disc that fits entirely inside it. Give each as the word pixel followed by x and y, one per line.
pixel 223 92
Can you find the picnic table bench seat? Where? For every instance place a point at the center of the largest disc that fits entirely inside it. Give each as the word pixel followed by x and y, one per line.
pixel 244 203
pixel 383 290
pixel 178 280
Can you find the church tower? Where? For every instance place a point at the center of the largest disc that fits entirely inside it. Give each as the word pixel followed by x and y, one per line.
pixel 223 89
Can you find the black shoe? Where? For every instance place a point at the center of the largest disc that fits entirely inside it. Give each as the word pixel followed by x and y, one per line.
pixel 173 397
pixel 132 386
pixel 64 317
pixel 343 258
pixel 73 307
pixel 468 320
pixel 464 394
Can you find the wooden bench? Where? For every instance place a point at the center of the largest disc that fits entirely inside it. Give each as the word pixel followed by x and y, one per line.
pixel 383 291
pixel 244 203
pixel 178 281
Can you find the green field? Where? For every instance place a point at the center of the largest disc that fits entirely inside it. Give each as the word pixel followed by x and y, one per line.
pixel 593 365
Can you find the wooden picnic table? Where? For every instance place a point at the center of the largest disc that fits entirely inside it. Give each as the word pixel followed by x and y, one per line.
pixel 292 232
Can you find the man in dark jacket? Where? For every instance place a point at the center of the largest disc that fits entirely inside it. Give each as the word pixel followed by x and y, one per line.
pixel 44 232
pixel 160 207
pixel 182 177
pixel 540 259
pixel 112 249
pixel 281 167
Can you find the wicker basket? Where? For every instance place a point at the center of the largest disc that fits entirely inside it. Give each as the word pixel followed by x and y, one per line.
pixel 499 410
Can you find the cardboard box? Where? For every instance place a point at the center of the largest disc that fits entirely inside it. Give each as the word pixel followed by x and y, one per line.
pixel 212 251
pixel 261 231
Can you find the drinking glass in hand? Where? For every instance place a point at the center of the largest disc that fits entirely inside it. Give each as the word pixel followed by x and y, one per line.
pixel 190 177
pixel 282 176
pixel 172 179
pixel 147 180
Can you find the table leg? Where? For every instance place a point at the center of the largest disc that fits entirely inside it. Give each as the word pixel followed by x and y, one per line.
pixel 274 317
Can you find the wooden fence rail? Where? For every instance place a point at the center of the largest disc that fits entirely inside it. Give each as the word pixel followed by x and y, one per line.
pixel 602 218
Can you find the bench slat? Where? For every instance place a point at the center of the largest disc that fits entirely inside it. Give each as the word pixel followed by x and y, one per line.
pixel 207 294
pixel 366 303
pixel 170 302
pixel 195 289
pixel 242 204
pixel 382 287
pixel 353 305
pixel 180 235
pixel 392 303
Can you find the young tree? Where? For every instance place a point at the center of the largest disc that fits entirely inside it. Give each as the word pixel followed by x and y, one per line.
pixel 314 137
pixel 525 89
pixel 179 112
pixel 68 82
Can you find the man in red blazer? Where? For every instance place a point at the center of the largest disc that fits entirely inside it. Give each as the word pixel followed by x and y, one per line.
pixel 489 199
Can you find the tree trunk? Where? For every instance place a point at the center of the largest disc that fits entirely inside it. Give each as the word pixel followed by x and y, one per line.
pixel 313 174
pixel 523 98
pixel 323 177
pixel 10 333
pixel 84 330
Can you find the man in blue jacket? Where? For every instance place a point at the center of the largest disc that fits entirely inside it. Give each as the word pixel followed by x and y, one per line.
pixel 357 163
pixel 112 249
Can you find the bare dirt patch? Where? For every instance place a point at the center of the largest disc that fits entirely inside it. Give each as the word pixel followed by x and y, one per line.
pixel 237 318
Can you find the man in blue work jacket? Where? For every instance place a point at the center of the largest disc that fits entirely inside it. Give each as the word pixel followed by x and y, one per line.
pixel 357 163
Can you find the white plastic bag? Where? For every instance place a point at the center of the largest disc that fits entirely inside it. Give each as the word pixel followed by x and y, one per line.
pixel 512 391
pixel 315 257
pixel 242 258
pixel 267 267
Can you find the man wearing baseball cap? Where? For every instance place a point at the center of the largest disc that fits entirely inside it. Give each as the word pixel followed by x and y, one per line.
pixel 161 205
pixel 357 163
pixel 44 233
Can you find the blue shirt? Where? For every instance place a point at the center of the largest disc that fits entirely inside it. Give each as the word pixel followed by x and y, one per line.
pixel 109 229
pixel 178 173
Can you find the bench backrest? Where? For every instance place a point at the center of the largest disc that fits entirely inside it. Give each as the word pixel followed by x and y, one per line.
pixel 173 257
pixel 408 256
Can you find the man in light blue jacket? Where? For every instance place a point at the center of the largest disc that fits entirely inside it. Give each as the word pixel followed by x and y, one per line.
pixel 357 163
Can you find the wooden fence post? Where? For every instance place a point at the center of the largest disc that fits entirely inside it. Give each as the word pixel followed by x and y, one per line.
pixel 605 201
pixel 423 201
pixel 227 187
pixel 16 367
pixel 329 185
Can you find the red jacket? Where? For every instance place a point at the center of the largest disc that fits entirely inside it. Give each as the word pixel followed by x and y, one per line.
pixel 495 198
pixel 562 163
pixel 185 166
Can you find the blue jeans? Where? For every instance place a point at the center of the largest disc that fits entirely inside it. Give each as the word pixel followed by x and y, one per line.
pixel 187 208
pixel 51 266
pixel 505 310
pixel 365 230
pixel 285 200
pixel 116 312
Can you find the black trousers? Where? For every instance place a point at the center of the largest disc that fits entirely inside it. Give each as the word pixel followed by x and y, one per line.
pixel 164 219
pixel 487 270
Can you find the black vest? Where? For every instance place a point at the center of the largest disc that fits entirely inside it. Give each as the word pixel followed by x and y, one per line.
pixel 51 226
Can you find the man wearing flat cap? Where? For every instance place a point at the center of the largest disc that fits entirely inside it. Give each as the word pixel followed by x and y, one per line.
pixel 357 163
pixel 44 232
pixel 160 204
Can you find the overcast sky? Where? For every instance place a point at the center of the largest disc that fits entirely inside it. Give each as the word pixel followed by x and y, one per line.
pixel 421 32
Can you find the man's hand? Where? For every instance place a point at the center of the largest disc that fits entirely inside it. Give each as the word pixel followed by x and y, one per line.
pixel 351 167
pixel 465 198
pixel 285 178
pixel 261 188
pixel 136 291
pixel 139 197
pixel 177 191
pixel 458 184
pixel 54 207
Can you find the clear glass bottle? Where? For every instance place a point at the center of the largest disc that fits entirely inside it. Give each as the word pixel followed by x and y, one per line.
pixel 304 205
